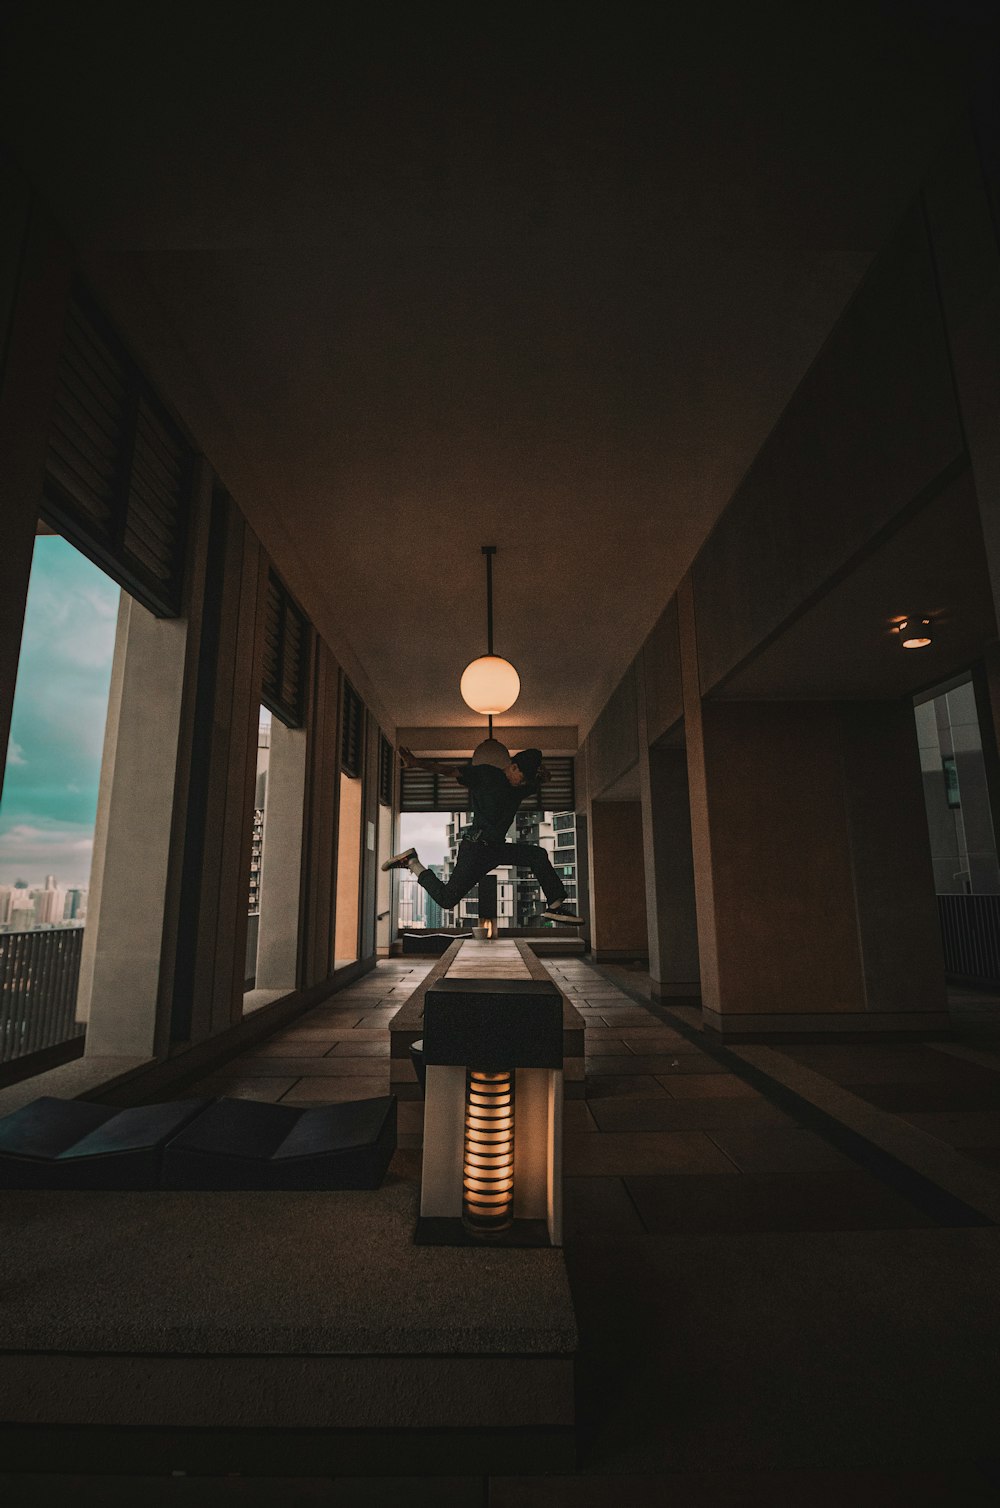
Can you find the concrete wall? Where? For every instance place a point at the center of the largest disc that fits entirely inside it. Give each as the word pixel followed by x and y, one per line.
pixel 613 744
pixel 809 855
pixel 874 423
pixel 166 935
pixel 661 668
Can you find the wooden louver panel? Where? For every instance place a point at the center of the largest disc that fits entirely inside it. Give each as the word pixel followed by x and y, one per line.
pixel 352 732
pixel 283 680
pixel 118 471
pixel 421 792
pixel 386 763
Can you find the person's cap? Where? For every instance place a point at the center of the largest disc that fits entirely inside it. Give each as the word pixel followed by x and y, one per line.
pixel 527 762
pixel 492 751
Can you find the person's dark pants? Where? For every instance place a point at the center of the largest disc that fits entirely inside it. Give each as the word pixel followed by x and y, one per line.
pixel 476 859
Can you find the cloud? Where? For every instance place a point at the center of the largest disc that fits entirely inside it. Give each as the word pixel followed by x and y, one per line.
pixel 30 850
pixel 15 754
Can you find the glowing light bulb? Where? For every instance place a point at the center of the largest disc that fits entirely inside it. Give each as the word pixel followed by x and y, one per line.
pixel 490 685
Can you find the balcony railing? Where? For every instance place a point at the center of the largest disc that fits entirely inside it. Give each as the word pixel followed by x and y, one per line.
pixel 970 934
pixel 39 973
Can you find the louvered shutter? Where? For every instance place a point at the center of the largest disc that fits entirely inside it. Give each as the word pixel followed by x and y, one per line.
pixel 118 470
pixel 352 732
pixel 421 792
pixel 286 631
pixel 559 793
pixel 386 759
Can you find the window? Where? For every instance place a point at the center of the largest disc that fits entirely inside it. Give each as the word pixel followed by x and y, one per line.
pixel 275 861
pixel 950 769
pixel 48 813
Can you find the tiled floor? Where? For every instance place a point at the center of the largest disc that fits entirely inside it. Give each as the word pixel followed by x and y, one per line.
pixel 763 1320
pixel 339 1051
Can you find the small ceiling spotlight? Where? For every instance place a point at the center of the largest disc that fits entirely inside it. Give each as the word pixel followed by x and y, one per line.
pixel 914 632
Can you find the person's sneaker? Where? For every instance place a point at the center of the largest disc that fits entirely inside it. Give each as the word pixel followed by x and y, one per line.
pixel 562 911
pixel 400 860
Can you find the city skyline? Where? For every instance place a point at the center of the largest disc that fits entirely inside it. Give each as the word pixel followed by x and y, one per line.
pixel 49 802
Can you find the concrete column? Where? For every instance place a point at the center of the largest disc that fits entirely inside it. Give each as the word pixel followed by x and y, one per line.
pixel 671 919
pixel 673 923
pixel 825 917
pixel 618 880
pixel 281 864
pixel 120 973
pixel 698 793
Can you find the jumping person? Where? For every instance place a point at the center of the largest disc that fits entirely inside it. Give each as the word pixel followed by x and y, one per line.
pixel 496 794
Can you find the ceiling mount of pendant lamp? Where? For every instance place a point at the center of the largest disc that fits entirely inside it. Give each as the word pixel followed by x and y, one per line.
pixel 490 684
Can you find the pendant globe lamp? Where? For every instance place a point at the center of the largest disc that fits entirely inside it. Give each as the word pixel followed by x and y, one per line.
pixel 490 684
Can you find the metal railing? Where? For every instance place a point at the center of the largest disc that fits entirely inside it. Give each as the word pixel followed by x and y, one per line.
pixel 970 936
pixel 39 973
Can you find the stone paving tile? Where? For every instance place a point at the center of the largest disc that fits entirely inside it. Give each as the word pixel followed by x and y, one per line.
pixel 379 1018
pixel 669 1114
pixel 923 1096
pixel 655 1039
pixel 623 1086
pixel 331 1090
pixel 344 1019
pixel 888 1063
pixel 758 1202
pixel 269 1089
pixel 362 1034
pixel 598 1206
pixel 975 1128
pixel 577 1116
pixel 635 1152
pixel 183 1491
pixel 597 1047
pixel 988 1156
pixel 716 1086
pixel 325 1067
pixel 315 1033
pixel 600 1033
pixel 951 1485
pixel 626 1018
pixel 776 1150
pixel 661 1063
pixel 361 1049
pixel 299 1047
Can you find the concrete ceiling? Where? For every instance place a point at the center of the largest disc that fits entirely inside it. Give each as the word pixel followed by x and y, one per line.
pixel 425 280
pixel 843 647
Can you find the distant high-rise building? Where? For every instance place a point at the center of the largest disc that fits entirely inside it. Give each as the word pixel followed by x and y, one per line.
pixel 75 909
pixel 7 894
pixel 49 905
pixel 22 912
pixel 256 859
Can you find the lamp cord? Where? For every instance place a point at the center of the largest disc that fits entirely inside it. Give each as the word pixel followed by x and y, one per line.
pixel 489 551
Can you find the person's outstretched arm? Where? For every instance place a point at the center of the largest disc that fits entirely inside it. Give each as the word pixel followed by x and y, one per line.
pixel 409 761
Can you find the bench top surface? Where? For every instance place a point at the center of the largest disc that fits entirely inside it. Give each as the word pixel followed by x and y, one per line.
pixel 265 1273
pixel 503 959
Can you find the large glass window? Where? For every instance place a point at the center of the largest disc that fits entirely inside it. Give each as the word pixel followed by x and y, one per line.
pixel 48 811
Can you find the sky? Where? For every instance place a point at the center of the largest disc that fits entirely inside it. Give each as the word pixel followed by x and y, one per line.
pixel 424 831
pixel 49 802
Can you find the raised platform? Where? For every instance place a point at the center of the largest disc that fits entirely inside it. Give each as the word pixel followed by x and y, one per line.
pixel 503 958
pixel 277 1311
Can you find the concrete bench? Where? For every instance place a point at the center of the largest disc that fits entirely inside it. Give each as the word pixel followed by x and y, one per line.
pixel 76 1144
pixel 511 958
pixel 245 1144
pixel 197 1144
